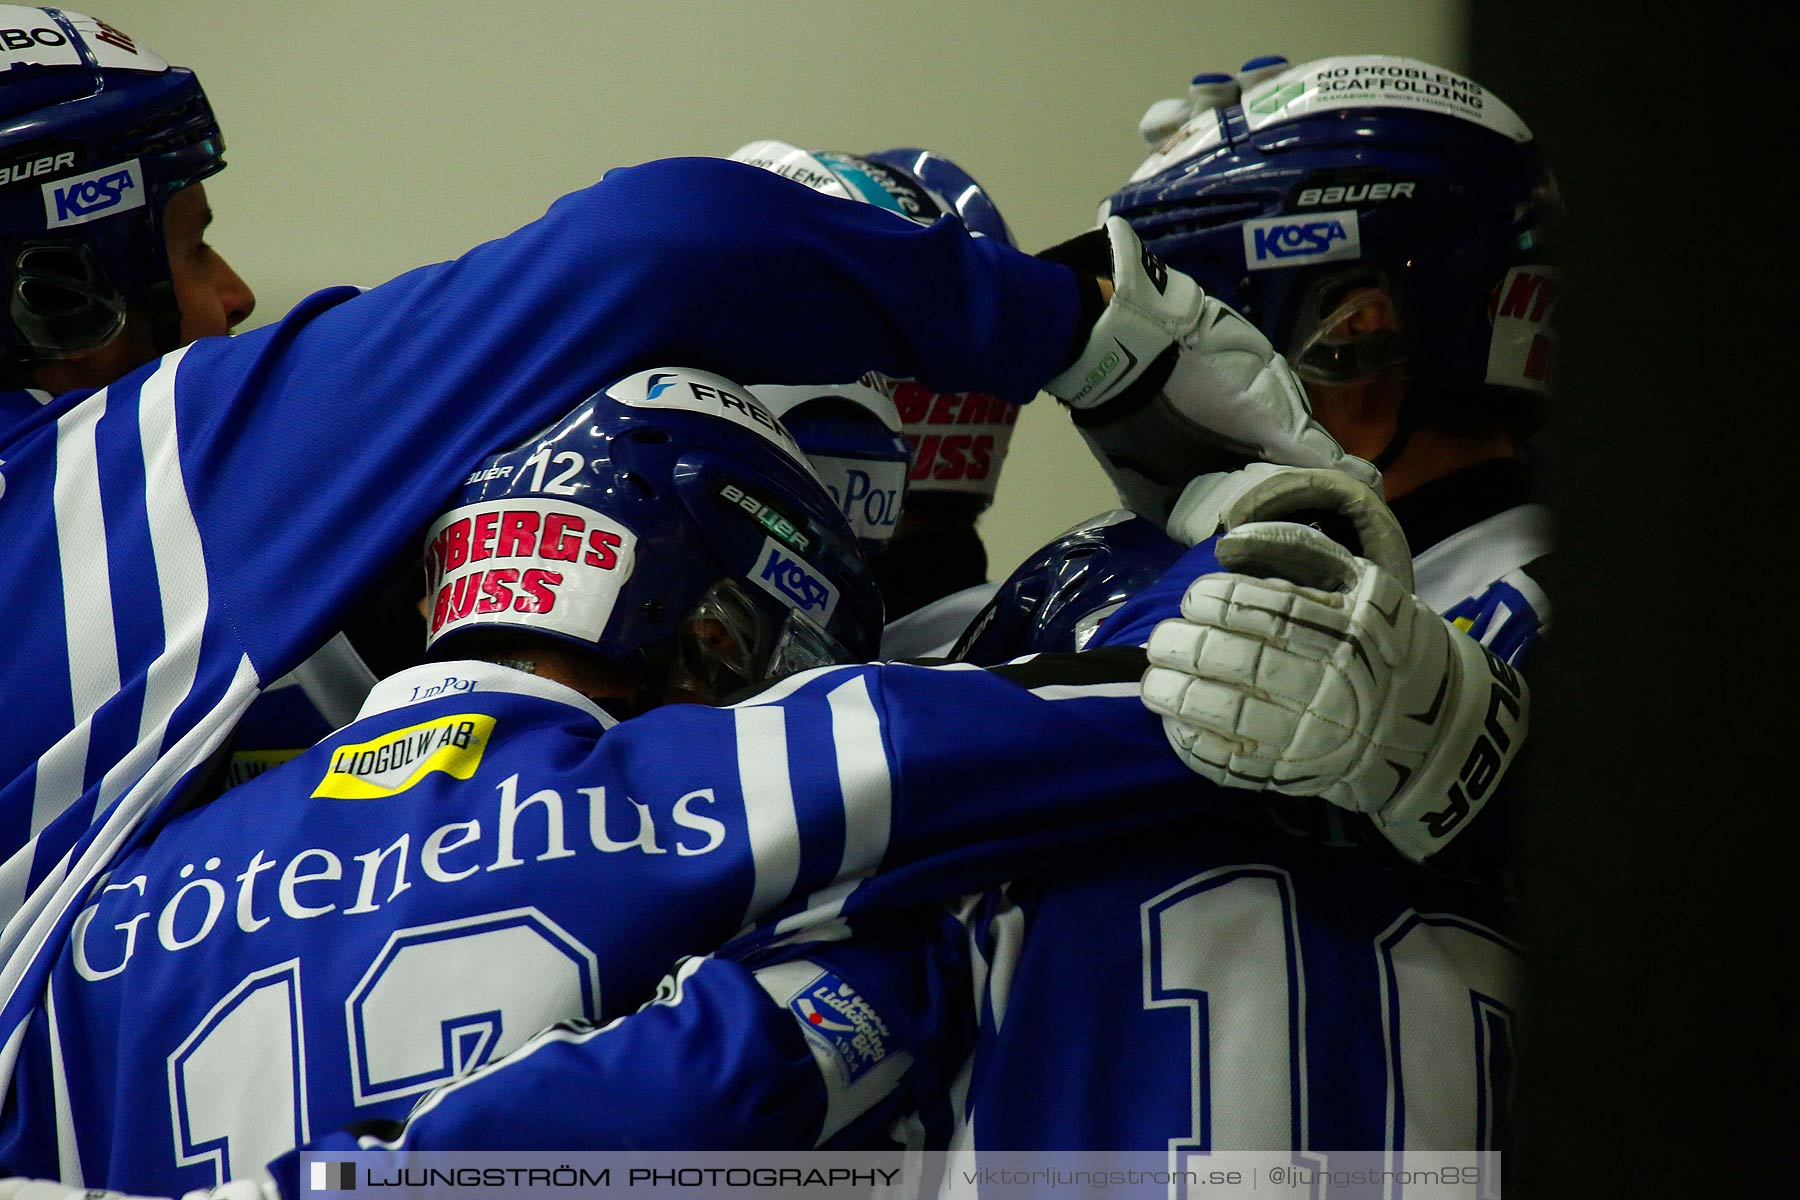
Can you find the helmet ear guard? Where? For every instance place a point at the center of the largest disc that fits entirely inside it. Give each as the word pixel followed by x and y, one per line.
pixel 61 301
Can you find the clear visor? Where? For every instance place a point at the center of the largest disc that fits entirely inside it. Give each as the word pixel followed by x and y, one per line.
pixel 1349 329
pixel 729 643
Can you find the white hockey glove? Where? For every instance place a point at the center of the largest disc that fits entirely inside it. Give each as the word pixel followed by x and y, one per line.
pixel 254 1188
pixel 1174 384
pixel 1221 502
pixel 1314 673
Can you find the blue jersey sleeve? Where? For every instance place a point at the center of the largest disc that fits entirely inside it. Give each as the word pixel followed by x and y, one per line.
pixel 192 532
pixel 795 1045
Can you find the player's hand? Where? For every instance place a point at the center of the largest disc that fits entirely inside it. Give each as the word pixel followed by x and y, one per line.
pixel 1312 672
pixel 16 1188
pixel 1220 502
pixel 1173 384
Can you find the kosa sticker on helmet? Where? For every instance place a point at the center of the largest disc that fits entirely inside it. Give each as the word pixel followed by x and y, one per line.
pixel 533 562
pixel 1301 240
pixel 701 392
pixel 794 581
pixel 103 193
pixel 1377 81
pixel 1523 347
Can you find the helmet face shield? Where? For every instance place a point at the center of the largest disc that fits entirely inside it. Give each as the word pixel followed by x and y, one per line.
pixel 802 645
pixel 1348 328
pixel 732 640
pixel 721 648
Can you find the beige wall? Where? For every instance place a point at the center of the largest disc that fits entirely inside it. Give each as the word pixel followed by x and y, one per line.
pixel 368 136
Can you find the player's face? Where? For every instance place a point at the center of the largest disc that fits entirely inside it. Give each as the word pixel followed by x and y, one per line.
pixel 208 292
pixel 211 296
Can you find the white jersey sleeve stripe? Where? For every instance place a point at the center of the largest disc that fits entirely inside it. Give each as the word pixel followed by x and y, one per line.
pixel 826 904
pixel 9 1054
pixel 68 1154
pixel 180 574
pixel 1088 691
pixel 862 776
pixel 61 774
pixel 13 877
pixel 1008 930
pixel 93 653
pixel 15 874
pixel 770 821
pixel 80 548
pixel 31 928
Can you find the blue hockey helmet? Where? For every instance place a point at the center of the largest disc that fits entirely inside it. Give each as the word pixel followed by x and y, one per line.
pixel 96 133
pixel 915 183
pixel 668 523
pixel 850 433
pixel 1057 598
pixel 1366 211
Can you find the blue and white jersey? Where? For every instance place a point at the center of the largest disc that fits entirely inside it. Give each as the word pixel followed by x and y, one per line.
pixel 480 856
pixel 841 1037
pixel 1282 983
pixel 1479 580
pixel 1252 993
pixel 181 538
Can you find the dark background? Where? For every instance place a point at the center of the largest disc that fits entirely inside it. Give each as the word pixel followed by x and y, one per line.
pixel 1661 1051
